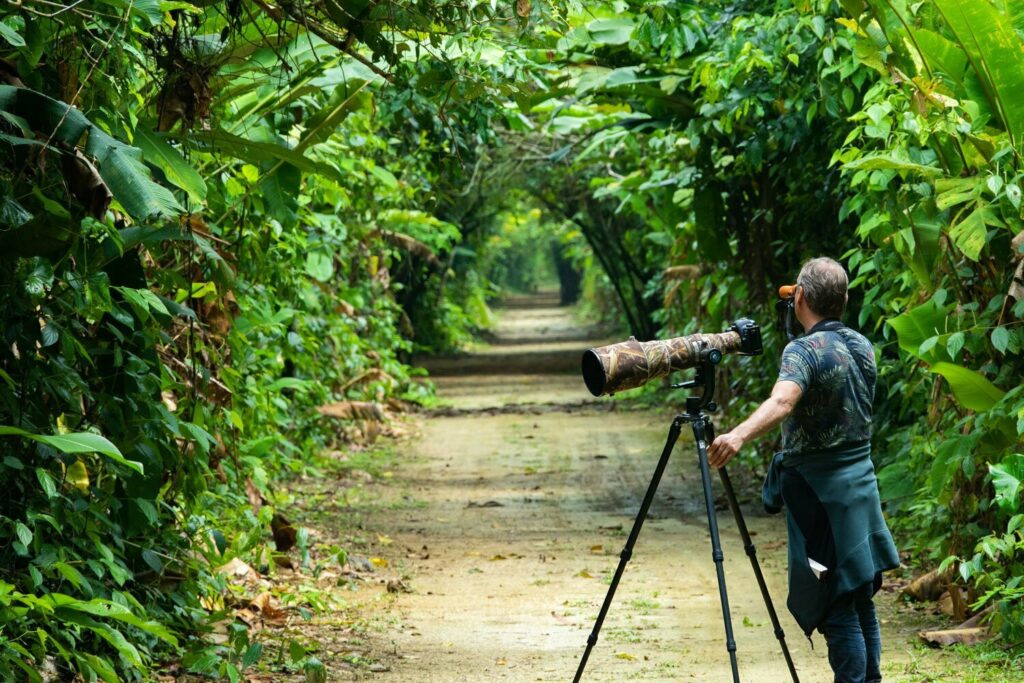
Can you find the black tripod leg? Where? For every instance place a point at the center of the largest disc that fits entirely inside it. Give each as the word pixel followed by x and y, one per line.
pixel 751 551
pixel 699 435
pixel 627 552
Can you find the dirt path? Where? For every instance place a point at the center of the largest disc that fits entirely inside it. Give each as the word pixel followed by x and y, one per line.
pixel 511 592
pixel 506 527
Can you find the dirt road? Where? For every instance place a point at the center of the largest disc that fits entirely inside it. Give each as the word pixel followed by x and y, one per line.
pixel 506 517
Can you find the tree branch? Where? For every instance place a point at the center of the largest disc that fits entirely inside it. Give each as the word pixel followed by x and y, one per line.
pixel 343 43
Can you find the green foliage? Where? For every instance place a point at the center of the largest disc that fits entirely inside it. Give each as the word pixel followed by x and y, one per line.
pixel 706 149
pixel 213 222
pixel 216 217
pixel 120 166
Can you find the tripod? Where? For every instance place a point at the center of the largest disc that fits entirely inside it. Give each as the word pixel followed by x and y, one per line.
pixel 703 434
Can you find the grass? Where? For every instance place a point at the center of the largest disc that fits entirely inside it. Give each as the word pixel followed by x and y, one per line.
pixel 644 606
pixel 985 663
pixel 624 635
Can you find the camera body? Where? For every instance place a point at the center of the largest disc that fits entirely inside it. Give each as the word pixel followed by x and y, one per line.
pixel 750 337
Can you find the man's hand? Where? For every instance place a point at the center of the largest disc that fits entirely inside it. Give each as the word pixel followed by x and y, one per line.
pixel 723 448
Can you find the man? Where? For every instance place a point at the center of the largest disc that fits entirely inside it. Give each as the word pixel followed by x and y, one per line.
pixel 839 543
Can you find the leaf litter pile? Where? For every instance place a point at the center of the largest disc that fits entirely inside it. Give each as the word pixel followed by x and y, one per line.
pixel 299 610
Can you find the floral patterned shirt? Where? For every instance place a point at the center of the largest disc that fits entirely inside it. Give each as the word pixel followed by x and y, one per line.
pixel 835 368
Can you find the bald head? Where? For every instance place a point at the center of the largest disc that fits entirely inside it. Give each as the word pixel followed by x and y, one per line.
pixel 824 284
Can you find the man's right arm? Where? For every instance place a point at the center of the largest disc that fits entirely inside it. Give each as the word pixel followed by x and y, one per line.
pixel 785 395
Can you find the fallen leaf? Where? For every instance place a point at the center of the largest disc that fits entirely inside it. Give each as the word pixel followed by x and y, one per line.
pixel 219 631
pixel 264 604
pixel 384 539
pixel 625 655
pixel 584 574
pixel 955 636
pixel 929 586
pixel 379 562
pixel 352 410
pixel 498 557
pixel 597 548
pixel 236 567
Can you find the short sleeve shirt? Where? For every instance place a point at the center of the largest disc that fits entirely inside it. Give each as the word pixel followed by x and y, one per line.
pixel 835 368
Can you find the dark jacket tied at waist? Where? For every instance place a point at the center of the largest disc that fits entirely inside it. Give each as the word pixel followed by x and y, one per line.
pixel 834 516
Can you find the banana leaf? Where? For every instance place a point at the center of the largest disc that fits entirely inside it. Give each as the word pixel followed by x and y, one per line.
pixel 943 58
pixel 256 152
pixel 120 165
pixel 157 152
pixel 995 53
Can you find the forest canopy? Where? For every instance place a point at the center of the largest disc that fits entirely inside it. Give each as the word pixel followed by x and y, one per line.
pixel 218 216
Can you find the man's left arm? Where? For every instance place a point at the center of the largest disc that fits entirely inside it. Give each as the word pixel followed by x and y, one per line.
pixel 785 395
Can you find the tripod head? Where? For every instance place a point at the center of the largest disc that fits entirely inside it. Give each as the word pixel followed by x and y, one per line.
pixel 708 358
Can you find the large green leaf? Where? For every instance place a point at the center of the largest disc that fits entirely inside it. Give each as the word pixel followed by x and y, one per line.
pixel 970 234
pixel 346 99
pixel 128 178
pixel 13 214
pixel 111 610
pixel 115 638
pixel 11 36
pixel 943 57
pixel 971 389
pixel 995 53
pixel 280 191
pixel 120 165
pixel 257 152
pixel 919 324
pixel 53 119
pixel 610 31
pixel 926 229
pixel 79 442
pixel 892 17
pixel 151 10
pixel 1008 481
pixel 890 160
pixel 169 160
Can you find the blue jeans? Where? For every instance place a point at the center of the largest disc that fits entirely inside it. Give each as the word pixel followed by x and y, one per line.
pixel 854 641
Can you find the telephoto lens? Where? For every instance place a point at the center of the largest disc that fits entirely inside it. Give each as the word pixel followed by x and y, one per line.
pixel 631 364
